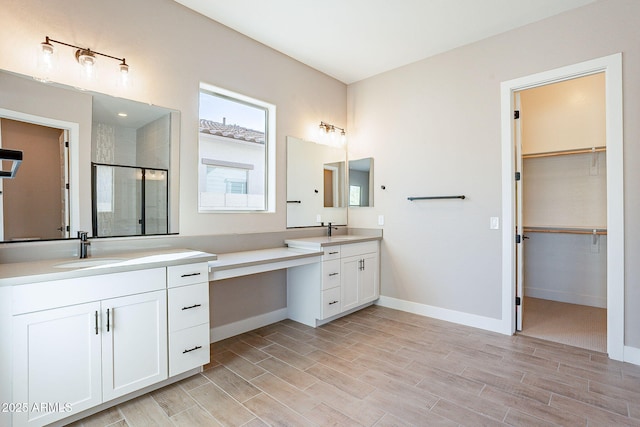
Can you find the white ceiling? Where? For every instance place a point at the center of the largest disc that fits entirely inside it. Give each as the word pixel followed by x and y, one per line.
pixel 355 39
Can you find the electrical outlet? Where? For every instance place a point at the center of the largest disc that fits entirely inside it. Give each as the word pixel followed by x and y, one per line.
pixel 318 218
pixel 494 223
pixel 380 219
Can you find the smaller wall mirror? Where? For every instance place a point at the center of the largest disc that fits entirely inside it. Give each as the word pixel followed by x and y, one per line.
pixel 361 182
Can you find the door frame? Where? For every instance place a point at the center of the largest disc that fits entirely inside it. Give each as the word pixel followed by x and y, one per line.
pixel 612 67
pixel 73 170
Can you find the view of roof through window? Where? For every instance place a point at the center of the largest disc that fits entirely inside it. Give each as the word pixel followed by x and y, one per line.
pixel 232 119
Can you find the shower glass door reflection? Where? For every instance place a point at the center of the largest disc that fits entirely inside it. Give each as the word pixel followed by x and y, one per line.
pixel 129 201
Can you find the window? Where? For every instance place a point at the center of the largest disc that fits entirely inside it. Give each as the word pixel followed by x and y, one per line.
pixel 236 152
pixel 354 195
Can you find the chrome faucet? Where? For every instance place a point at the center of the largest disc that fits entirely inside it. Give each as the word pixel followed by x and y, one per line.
pixel 84 243
pixel 329 229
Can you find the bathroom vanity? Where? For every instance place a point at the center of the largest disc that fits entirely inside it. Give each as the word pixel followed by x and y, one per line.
pixel 79 335
pixel 346 279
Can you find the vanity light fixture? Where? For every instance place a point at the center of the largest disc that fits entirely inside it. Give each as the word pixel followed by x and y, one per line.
pixel 85 57
pixel 327 128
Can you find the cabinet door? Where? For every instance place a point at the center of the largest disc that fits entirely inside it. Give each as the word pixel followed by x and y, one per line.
pixel 368 280
pixel 134 346
pixel 56 356
pixel 350 269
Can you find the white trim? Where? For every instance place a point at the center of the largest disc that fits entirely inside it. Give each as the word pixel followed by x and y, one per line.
pixel 461 318
pixel 612 67
pixel 74 153
pixel 632 355
pixel 229 330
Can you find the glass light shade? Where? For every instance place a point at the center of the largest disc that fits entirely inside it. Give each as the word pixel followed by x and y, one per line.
pixel 87 61
pixel 46 61
pixel 124 78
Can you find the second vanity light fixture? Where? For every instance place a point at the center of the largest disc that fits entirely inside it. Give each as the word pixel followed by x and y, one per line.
pixel 327 128
pixel 85 57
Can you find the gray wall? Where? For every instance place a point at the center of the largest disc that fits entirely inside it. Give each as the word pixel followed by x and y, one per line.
pixel 443 116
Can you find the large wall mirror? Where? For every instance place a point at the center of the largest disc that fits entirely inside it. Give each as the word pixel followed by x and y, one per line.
pixel 91 162
pixel 316 184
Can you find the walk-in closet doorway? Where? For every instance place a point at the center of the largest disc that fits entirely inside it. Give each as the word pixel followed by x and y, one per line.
pixel 572 212
pixel 561 212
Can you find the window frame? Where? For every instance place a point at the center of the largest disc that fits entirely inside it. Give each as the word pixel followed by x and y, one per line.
pixel 269 151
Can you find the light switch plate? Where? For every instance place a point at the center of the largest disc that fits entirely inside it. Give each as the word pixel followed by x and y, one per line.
pixel 380 219
pixel 494 223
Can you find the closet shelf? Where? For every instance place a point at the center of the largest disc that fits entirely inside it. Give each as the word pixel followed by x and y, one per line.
pixel 564 152
pixel 567 230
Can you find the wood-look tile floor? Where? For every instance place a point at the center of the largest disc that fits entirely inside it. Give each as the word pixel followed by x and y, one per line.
pixel 382 367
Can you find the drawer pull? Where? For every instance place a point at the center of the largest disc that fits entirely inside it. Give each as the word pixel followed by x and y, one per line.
pixel 333 274
pixel 333 302
pixel 334 253
pixel 190 274
pixel 192 349
pixel 192 306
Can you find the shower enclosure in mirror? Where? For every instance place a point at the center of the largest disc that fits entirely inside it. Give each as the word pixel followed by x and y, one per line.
pixel 316 177
pixel 129 201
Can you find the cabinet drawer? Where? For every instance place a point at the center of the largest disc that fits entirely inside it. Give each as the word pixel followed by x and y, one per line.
pixel 330 274
pixel 331 252
pixel 331 304
pixel 187 274
pixel 188 349
pixel 352 249
pixel 188 306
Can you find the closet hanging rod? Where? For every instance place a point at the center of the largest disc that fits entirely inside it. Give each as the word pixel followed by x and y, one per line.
pixel 566 230
pixel 564 153
pixel 411 199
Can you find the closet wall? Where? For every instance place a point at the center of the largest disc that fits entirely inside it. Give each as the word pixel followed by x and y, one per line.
pixel 564 191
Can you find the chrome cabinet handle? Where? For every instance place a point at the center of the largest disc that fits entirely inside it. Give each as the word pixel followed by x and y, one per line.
pixel 190 274
pixel 333 302
pixel 192 349
pixel 192 306
pixel 96 322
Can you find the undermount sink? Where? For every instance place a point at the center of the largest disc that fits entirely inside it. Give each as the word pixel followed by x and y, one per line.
pixel 88 262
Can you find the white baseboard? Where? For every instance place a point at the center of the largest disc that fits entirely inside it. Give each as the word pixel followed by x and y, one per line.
pixel 553 295
pixel 473 320
pixel 219 333
pixel 632 355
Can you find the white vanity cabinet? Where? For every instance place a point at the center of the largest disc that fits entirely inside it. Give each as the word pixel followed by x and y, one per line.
pixel 188 309
pixel 359 267
pixel 345 280
pixel 69 354
pixel 57 360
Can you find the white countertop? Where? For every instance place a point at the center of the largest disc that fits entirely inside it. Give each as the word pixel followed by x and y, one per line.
pixel 322 241
pixel 56 269
pixel 258 257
